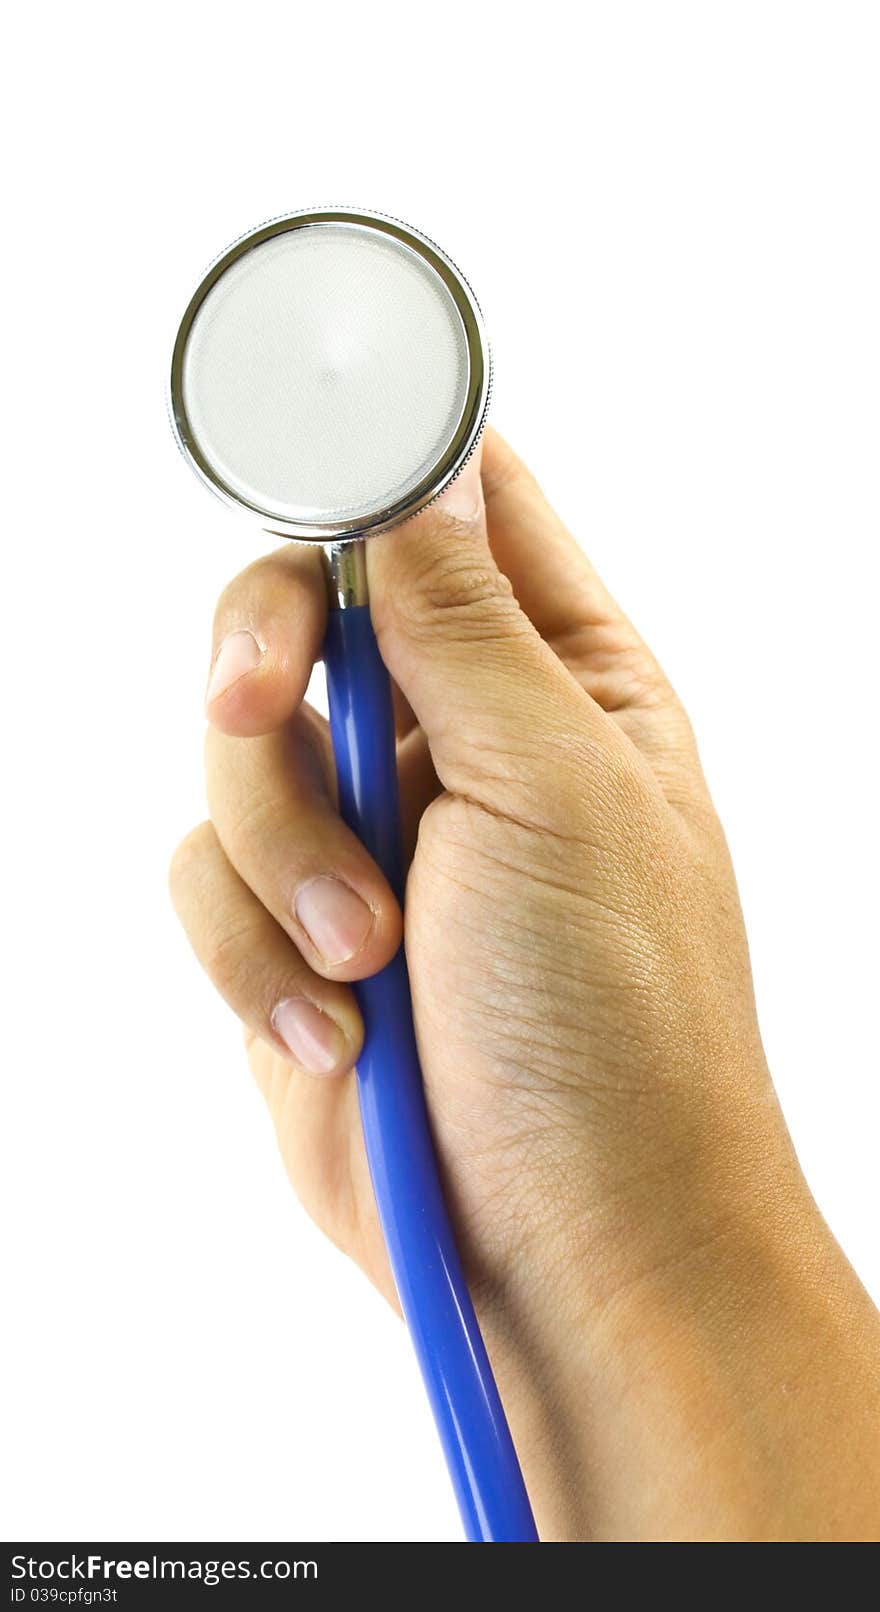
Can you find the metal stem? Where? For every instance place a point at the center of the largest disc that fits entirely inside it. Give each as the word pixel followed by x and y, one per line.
pixel 345 568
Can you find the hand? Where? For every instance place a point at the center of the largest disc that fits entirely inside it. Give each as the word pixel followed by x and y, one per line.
pixel 678 1340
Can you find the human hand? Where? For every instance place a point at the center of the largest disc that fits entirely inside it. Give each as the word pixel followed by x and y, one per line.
pixel 650 1272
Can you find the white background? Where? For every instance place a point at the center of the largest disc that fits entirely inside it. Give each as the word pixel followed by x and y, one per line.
pixel 670 215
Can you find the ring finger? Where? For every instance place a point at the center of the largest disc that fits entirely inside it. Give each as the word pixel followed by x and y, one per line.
pixel 271 806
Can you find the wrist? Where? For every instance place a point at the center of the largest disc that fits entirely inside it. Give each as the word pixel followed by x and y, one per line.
pixel 696 1362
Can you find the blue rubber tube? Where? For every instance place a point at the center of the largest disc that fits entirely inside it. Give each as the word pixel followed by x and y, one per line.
pixel 427 1270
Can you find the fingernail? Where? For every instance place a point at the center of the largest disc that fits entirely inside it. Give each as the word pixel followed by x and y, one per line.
pixel 463 498
pixel 239 653
pixel 335 919
pixel 310 1036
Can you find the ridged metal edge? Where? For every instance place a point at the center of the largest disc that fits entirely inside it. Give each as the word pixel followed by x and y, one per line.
pixel 391 218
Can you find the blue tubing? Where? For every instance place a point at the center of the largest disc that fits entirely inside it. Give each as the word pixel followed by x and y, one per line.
pixel 427 1270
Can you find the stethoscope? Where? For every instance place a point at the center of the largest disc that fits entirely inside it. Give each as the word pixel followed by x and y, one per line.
pixel 331 376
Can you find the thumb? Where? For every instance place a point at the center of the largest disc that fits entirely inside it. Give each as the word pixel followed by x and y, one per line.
pixel 505 720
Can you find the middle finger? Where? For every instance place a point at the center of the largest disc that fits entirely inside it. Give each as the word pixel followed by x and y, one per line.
pixel 274 816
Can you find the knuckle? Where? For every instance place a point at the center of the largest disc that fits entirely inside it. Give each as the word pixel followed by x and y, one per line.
pixel 462 585
pixel 227 957
pixel 642 682
pixel 228 607
pixel 189 858
pixel 505 472
pixel 273 585
pixel 253 584
pixel 449 589
pixel 626 677
pixel 251 789
pixel 255 823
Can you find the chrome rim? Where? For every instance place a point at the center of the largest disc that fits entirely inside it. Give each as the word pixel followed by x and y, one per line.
pixel 467 432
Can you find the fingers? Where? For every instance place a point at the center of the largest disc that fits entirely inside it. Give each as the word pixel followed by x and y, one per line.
pixel 496 704
pixel 560 591
pixel 551 576
pixel 263 977
pixel 474 601
pixel 562 594
pixel 268 629
pixel 270 620
pixel 281 833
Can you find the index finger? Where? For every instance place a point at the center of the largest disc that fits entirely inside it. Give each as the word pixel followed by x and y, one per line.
pixel 268 630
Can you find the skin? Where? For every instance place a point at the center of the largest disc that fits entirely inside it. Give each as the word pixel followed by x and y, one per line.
pixel 682 1348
